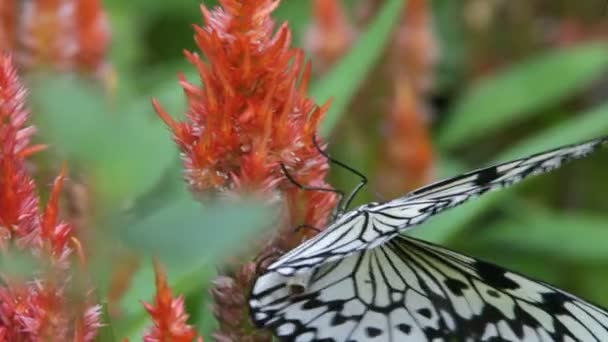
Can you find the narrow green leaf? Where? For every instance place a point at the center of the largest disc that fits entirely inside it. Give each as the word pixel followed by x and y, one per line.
pixel 342 82
pixel 581 127
pixel 520 91
pixel 571 236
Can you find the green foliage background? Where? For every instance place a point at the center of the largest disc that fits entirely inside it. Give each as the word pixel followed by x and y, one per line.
pixel 553 228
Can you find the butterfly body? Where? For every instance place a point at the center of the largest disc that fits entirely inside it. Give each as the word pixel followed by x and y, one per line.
pixel 362 281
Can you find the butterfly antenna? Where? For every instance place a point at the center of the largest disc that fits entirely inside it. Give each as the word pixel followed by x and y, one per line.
pixel 343 205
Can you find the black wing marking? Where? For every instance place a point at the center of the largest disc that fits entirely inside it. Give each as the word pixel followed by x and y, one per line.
pixel 410 290
pixel 372 225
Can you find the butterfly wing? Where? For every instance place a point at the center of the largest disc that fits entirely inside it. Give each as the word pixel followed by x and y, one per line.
pixel 372 225
pixel 410 290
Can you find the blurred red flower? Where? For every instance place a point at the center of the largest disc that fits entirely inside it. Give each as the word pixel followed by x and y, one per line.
pixel 330 34
pixel 66 35
pixel 38 309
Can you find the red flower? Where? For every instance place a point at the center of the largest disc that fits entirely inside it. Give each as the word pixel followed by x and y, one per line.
pixel 18 204
pixel 252 112
pixel 251 115
pixel 330 34
pixel 407 155
pixel 416 49
pixel 35 310
pixel 406 161
pixel 65 35
pixel 168 314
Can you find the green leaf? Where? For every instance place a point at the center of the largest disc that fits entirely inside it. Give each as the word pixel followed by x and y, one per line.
pixel 591 279
pixel 17 264
pixel 571 236
pixel 342 82
pixel 520 91
pixel 184 230
pixel 581 127
pixel 123 150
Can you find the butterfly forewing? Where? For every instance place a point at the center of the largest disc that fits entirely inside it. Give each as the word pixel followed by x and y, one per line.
pixel 371 225
pixel 410 290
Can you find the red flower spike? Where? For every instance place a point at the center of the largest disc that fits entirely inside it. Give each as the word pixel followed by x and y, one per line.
pixel 66 35
pixel 168 314
pixel 250 115
pixel 56 234
pixel 18 202
pixel 330 34
pixel 416 49
pixel 38 310
pixel 407 159
pixel 88 326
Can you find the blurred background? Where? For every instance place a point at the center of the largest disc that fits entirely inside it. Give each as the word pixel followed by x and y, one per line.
pixel 422 90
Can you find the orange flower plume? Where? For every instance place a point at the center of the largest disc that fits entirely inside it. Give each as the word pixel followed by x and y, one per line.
pixel 38 309
pixel 251 115
pixel 168 314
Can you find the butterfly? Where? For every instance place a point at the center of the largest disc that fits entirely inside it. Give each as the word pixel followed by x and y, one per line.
pixel 360 280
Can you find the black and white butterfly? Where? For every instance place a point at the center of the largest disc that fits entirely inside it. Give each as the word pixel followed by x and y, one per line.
pixel 359 280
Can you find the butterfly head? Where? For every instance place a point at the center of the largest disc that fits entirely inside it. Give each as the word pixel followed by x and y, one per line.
pixel 273 290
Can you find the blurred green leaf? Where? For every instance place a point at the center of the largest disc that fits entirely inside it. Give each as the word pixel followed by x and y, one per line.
pixel 206 322
pixel 185 230
pixel 18 264
pixel 123 152
pixel 344 79
pixel 591 280
pixel 569 236
pixel 579 128
pixel 519 92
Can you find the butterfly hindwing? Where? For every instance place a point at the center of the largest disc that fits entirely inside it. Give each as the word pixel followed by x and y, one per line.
pixel 373 224
pixel 410 290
